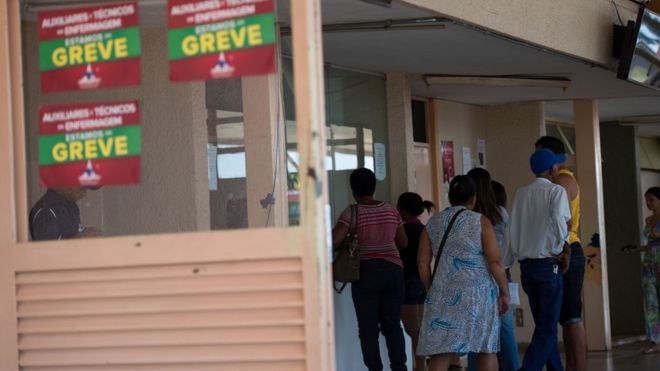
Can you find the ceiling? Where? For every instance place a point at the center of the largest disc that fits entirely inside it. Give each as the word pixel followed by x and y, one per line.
pixel 466 50
pixel 456 49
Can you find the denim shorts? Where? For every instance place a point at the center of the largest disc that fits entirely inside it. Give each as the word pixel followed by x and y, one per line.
pixel 571 306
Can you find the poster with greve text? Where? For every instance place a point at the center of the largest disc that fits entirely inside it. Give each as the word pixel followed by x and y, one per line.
pixel 88 48
pixel 89 144
pixel 216 39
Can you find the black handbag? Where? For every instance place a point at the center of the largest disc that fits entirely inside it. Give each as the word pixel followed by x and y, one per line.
pixel 442 243
pixel 346 257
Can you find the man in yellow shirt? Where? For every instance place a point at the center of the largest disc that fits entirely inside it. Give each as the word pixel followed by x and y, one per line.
pixel 570 318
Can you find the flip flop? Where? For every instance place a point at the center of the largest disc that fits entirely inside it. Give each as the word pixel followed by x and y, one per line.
pixel 652 350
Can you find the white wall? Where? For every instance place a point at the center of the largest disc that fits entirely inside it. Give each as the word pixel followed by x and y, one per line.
pixel 510 132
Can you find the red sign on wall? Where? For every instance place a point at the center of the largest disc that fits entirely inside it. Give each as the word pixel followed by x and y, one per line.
pixel 215 39
pixel 91 144
pixel 89 47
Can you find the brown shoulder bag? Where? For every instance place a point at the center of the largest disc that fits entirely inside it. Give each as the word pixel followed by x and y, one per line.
pixel 346 256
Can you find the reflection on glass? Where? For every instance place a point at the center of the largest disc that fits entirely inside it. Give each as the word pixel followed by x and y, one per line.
pixel 343 146
pixel 368 143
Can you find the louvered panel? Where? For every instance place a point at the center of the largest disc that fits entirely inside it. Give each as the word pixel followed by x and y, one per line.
pixel 274 334
pixel 154 355
pixel 158 286
pixel 197 302
pixel 228 366
pixel 248 316
pixel 183 270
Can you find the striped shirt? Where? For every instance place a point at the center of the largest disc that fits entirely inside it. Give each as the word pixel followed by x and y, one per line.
pixel 376 230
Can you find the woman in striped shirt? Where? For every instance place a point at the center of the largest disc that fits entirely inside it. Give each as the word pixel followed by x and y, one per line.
pixel 378 295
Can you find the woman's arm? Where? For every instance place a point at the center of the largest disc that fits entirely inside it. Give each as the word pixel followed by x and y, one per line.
pixel 424 256
pixel 401 239
pixel 339 233
pixel 494 261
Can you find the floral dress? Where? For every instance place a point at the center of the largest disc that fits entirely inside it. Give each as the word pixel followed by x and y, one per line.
pixel 460 313
pixel 651 282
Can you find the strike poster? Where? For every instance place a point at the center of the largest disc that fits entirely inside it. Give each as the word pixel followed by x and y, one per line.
pixel 89 48
pixel 216 39
pixel 448 172
pixel 89 145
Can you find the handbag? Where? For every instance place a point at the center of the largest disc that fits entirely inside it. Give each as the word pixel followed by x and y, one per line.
pixel 346 262
pixel 442 243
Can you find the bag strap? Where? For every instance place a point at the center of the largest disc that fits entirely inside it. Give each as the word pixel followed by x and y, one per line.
pixel 351 234
pixel 352 229
pixel 442 243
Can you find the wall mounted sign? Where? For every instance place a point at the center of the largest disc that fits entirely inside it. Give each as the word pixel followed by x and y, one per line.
pixel 91 144
pixel 448 172
pixel 481 152
pixel 380 161
pixel 467 160
pixel 89 48
pixel 215 39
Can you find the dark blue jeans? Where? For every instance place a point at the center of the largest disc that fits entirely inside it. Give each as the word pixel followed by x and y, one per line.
pixel 378 297
pixel 543 284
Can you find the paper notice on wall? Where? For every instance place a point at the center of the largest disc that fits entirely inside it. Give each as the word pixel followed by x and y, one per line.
pixel 88 48
pixel 89 145
pixel 481 152
pixel 447 148
pixel 220 39
pixel 379 159
pixel 514 296
pixel 467 160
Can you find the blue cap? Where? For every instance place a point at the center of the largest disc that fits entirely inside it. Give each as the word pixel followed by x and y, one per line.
pixel 544 159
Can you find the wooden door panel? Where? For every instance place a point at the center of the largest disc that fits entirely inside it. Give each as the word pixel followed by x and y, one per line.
pixel 202 304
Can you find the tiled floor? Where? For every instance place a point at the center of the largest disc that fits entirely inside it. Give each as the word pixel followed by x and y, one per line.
pixel 621 358
pixel 624 358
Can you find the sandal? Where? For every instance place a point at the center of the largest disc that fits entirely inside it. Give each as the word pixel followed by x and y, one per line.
pixel 654 349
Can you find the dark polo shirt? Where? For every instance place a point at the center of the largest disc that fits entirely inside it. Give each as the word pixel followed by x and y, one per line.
pixel 53 218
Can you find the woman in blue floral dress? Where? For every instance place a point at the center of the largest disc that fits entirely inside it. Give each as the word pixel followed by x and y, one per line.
pixel 469 292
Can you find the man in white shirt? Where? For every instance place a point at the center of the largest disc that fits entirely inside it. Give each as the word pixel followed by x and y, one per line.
pixel 537 235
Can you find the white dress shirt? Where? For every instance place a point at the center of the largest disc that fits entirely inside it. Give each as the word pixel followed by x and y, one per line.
pixel 537 228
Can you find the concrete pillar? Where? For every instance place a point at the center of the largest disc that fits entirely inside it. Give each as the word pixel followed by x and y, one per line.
pixel 592 220
pixel 621 193
pixel 264 152
pixel 400 134
pixel 511 131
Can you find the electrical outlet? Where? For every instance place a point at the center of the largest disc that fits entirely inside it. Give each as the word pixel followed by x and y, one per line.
pixel 519 317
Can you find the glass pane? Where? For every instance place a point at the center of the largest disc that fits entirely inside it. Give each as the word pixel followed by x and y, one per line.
pixel 139 122
pixel 357 131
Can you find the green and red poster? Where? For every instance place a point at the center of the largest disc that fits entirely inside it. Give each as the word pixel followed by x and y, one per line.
pixel 215 39
pixel 89 48
pixel 90 144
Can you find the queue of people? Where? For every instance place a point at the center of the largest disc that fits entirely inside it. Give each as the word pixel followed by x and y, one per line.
pixel 450 279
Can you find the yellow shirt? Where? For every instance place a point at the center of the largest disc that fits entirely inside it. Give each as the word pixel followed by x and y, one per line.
pixel 575 211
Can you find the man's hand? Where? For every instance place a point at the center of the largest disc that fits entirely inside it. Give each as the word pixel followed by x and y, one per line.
pixel 90 232
pixel 565 261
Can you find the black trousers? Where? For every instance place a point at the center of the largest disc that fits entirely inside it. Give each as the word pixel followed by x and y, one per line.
pixel 378 297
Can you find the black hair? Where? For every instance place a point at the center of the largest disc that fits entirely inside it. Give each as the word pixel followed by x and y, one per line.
pixel 486 204
pixel 363 182
pixel 654 191
pixel 552 143
pixel 461 189
pixel 413 204
pixel 500 193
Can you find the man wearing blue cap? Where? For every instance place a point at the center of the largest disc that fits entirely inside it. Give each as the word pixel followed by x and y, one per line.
pixel 537 235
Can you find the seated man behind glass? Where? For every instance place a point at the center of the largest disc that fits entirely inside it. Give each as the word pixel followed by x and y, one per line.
pixel 56 216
